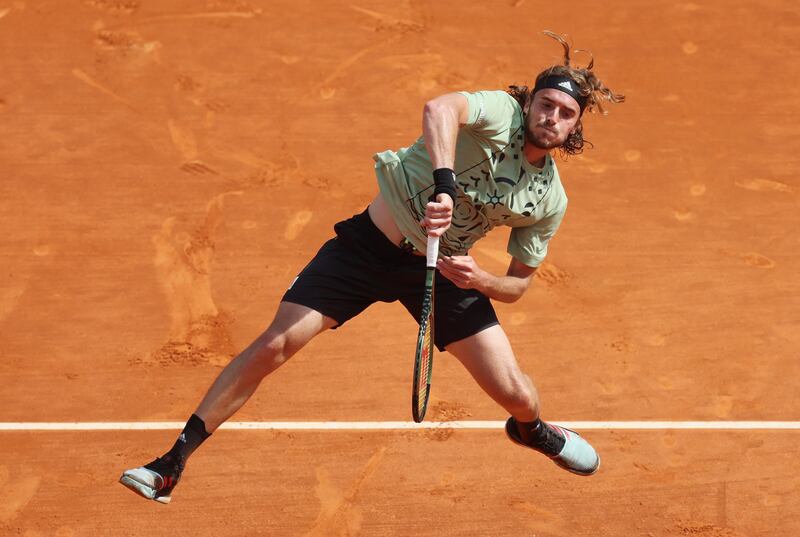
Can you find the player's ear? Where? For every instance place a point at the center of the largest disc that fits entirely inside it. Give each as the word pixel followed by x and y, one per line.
pixel 528 102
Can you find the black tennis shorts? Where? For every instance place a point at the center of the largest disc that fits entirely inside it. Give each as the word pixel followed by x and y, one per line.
pixel 360 266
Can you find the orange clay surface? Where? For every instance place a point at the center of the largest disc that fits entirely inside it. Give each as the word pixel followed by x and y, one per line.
pixel 168 168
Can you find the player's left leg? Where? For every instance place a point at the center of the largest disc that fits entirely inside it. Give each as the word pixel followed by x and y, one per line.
pixel 488 357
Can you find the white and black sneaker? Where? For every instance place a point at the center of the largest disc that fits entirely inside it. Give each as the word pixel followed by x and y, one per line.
pixel 564 446
pixel 155 480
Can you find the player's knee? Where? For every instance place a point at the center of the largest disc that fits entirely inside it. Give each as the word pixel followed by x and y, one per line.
pixel 271 350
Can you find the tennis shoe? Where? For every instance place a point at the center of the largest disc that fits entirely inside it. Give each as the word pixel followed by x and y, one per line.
pixel 564 446
pixel 155 480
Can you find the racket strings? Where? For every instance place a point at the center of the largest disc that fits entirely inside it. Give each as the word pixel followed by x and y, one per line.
pixel 424 370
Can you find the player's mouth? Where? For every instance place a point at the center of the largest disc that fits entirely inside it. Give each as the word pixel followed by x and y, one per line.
pixel 548 129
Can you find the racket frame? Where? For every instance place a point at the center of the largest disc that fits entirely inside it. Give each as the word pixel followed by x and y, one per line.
pixel 423 362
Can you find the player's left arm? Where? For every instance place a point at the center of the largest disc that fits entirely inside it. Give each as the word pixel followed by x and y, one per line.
pixel 464 271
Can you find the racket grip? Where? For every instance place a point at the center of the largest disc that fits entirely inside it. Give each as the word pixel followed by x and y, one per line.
pixel 433 252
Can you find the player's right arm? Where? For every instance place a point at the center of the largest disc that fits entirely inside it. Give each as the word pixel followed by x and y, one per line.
pixel 441 119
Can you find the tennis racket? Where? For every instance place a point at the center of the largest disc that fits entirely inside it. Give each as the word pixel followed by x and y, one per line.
pixel 423 360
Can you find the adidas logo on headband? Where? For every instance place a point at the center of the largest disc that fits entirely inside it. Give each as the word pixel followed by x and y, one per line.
pixel 562 83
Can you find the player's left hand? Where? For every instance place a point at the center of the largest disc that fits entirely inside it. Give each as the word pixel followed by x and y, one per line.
pixel 462 270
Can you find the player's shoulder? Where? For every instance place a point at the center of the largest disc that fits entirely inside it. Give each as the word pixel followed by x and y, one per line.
pixel 492 110
pixel 492 97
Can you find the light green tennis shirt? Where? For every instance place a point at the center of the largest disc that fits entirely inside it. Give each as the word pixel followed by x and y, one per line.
pixel 496 184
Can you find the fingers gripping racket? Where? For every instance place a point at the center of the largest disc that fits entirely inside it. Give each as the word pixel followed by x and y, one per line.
pixel 423 360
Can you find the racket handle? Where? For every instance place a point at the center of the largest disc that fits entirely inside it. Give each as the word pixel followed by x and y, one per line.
pixel 433 251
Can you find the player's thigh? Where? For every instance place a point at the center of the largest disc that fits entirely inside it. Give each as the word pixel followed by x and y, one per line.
pixel 488 357
pixel 294 325
pixel 458 313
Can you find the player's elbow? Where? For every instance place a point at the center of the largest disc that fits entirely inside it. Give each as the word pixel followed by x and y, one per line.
pixel 441 108
pixel 450 106
pixel 509 296
pixel 433 109
pixel 516 292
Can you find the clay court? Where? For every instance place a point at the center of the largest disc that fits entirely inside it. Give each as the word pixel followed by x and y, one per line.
pixel 169 167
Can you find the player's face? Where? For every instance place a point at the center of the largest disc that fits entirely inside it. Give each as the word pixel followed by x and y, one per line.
pixel 552 116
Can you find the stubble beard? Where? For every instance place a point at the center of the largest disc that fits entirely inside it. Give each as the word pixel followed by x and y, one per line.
pixel 541 143
pixel 537 140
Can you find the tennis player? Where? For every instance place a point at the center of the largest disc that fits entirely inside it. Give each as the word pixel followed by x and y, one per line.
pixel 484 160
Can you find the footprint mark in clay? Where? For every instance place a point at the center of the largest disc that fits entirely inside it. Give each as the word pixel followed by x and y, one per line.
pixel 17 487
pixel 339 514
pixel 183 265
pixel 757 260
pixel 297 224
pixel 762 185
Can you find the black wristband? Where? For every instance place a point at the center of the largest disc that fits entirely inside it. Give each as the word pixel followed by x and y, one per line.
pixel 444 181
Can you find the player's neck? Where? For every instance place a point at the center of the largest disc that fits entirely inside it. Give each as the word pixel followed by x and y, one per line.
pixel 535 155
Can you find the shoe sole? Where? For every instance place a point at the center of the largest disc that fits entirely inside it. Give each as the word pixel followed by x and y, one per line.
pixel 143 489
pixel 557 462
pixel 576 472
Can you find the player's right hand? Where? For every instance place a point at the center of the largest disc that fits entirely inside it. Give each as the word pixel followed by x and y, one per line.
pixel 438 215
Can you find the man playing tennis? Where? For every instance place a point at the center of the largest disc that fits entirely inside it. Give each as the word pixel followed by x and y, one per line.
pixel 484 160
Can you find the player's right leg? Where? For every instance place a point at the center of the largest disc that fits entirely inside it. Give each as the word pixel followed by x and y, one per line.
pixel 294 326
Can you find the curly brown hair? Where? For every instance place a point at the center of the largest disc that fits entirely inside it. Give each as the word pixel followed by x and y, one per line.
pixel 589 85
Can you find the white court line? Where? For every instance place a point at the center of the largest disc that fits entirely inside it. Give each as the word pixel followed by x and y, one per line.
pixel 394 425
